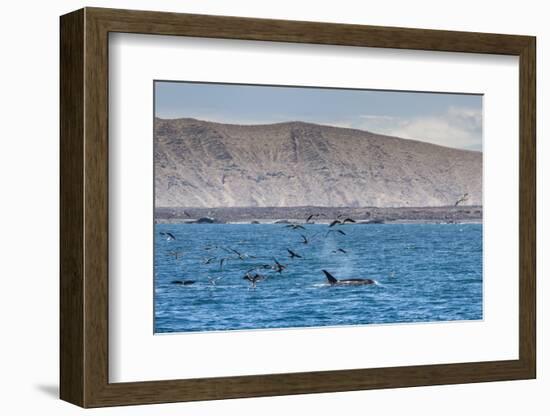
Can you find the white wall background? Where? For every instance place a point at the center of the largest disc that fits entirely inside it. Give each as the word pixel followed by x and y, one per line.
pixel 29 210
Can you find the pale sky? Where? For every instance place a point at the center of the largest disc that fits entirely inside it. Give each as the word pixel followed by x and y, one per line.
pixel 453 120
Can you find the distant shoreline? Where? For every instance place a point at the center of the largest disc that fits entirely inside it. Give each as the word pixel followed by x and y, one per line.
pixel 297 221
pixel 322 215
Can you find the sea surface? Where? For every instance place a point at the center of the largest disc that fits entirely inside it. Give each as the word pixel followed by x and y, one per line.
pixel 424 273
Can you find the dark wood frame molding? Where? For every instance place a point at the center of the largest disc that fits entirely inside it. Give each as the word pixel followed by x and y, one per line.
pixel 84 207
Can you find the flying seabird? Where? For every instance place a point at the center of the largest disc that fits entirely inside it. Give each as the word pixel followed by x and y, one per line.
pixel 341 250
pixel 463 198
pixel 334 231
pixel 278 267
pixel 240 256
pixel 253 278
pixel 222 261
pixel 293 254
pixel 295 226
pixel 214 280
pixel 169 236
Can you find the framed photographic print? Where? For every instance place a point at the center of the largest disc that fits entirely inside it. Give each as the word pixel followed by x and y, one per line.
pixel 255 207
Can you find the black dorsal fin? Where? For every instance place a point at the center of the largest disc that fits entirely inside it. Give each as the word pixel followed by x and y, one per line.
pixel 331 279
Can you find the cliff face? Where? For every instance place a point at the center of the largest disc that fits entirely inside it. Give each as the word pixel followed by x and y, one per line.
pixel 205 164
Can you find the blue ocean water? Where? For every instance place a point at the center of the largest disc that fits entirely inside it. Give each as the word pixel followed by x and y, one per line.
pixel 424 273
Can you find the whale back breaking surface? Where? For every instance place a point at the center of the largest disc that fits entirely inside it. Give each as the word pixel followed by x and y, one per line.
pixel 333 281
pixel 356 282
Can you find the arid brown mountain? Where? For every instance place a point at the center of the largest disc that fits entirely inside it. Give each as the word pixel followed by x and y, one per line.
pixel 206 164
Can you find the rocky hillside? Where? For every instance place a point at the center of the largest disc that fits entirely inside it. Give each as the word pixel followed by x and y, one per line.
pixel 205 164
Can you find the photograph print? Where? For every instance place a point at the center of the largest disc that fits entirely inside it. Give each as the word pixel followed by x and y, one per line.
pixel 282 207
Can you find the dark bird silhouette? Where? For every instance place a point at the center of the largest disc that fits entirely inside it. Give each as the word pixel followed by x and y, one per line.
pixel 334 231
pixel 341 250
pixel 223 261
pixel 169 236
pixel 333 223
pixel 295 226
pixel 208 260
pixel 253 278
pixel 214 280
pixel 311 216
pixel 462 199
pixel 293 254
pixel 240 256
pixel 306 240
pixel 348 220
pixel 278 267
pixel 183 282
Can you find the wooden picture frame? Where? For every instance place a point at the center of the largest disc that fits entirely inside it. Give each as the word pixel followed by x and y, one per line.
pixel 84 207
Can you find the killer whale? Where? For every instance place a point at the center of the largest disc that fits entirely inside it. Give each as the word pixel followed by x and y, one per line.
pixel 347 282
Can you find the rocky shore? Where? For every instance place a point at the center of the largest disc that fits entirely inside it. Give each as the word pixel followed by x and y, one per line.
pixel 364 215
